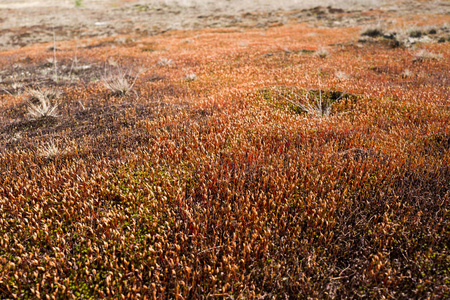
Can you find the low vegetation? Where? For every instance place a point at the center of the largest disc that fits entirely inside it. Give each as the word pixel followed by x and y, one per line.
pixel 40 103
pixel 120 84
pixel 226 182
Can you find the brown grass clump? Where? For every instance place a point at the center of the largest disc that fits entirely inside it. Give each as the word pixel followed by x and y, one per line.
pixel 219 187
pixel 120 84
pixel 40 103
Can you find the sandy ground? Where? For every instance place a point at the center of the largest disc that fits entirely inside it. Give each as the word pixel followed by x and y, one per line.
pixel 228 4
pixel 25 22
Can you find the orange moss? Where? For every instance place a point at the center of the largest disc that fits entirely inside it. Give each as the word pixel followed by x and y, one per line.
pixel 219 186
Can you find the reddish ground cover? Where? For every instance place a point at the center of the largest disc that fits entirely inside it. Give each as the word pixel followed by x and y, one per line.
pixel 206 179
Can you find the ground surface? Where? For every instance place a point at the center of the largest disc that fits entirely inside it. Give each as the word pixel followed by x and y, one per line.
pixel 224 149
pixel 25 22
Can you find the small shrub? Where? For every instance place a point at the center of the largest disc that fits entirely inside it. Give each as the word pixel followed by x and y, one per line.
pixel 415 33
pixel 372 32
pixel 432 30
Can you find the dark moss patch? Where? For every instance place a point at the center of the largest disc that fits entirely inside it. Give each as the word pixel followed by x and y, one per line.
pixel 286 98
pixel 372 32
pixel 30 125
pixel 437 143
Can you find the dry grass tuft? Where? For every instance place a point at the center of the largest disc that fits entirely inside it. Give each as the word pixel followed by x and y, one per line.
pixel 319 107
pixel 164 62
pixel 40 103
pixel 342 75
pixel 120 84
pixel 191 77
pixel 322 53
pixel 424 54
pixel 49 151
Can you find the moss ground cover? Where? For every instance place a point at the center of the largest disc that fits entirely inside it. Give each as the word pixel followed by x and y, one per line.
pixel 216 187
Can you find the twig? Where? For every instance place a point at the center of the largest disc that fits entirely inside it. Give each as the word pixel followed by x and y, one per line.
pixel 340 277
pixel 54 55
pixel 219 295
pixel 7 91
pixel 209 249
pixel 82 106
